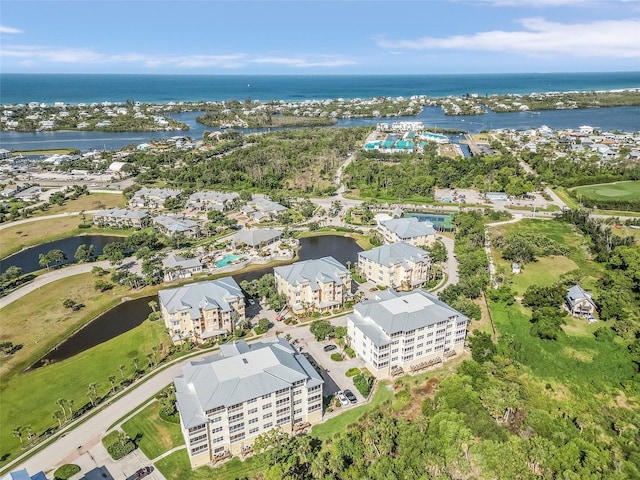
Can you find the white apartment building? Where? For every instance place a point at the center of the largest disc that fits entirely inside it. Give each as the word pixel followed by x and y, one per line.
pixel 202 310
pixel 401 266
pixel 319 285
pixel 124 218
pixel 153 197
pixel 226 400
pixel 409 230
pixel 405 332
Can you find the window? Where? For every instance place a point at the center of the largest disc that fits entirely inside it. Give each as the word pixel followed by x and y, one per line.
pixel 252 411
pixel 253 400
pixel 216 430
pixel 419 346
pixel 216 419
pixel 313 408
pixel 420 337
pixel 236 417
pixel 253 420
pixel 282 401
pixel 237 437
pixel 267 425
pixel 266 406
pixel 197 429
pixel 201 448
pixel 284 420
pixel 267 415
pixel 267 396
pixel 236 427
pixel 217 440
pixel 197 439
pixel 297 402
pixel 282 411
pixel 253 430
pixel 297 411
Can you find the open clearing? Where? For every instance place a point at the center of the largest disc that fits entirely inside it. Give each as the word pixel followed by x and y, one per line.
pixel 610 191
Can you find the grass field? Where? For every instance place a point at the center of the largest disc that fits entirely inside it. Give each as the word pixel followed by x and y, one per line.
pixel 93 201
pixel 30 398
pixel 610 191
pixel 153 435
pixel 177 467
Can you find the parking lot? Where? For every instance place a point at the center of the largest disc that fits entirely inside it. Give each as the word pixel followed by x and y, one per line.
pixel 332 372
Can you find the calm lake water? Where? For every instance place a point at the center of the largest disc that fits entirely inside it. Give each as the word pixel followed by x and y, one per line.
pixel 28 259
pixel 128 315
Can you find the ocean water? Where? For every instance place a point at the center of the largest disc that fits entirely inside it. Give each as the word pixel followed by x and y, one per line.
pixel 86 88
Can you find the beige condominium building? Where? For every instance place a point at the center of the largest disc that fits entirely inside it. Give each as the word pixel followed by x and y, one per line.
pixel 405 332
pixel 225 401
pixel 203 310
pixel 317 285
pixel 409 230
pixel 401 266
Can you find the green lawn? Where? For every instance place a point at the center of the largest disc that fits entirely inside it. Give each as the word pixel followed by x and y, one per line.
pixel 30 398
pixel 153 435
pixel 177 467
pixel 610 191
pixel 339 423
pixel 577 360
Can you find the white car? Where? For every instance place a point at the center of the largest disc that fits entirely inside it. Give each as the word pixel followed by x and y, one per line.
pixel 344 401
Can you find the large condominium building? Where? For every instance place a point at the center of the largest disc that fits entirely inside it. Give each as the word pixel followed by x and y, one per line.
pixel 208 201
pixel 322 284
pixel 225 401
pixel 153 197
pixel 405 331
pixel 409 230
pixel 124 218
pixel 202 310
pixel 400 266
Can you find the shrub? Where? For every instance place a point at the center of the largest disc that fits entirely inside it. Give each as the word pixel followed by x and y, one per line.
pixel 350 352
pixel 119 444
pixel 84 225
pixel 363 383
pixel 66 471
pixel 352 372
pixel 336 357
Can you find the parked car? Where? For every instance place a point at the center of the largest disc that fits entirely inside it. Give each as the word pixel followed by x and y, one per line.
pixel 350 396
pixel 343 399
pixel 328 348
pixel 143 472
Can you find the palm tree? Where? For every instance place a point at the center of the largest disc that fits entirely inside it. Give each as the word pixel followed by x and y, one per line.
pixel 112 380
pixel 17 432
pixel 30 432
pixel 61 403
pixel 153 305
pixel 70 406
pixel 136 362
pixel 58 416
pixel 121 368
pixel 93 393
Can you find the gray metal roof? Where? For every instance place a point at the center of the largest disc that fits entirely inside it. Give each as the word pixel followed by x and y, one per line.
pixel 400 312
pixel 325 269
pixel 211 295
pixel 576 294
pixel 175 223
pixel 122 213
pixel 409 227
pixel 255 236
pixel 395 253
pixel 178 261
pixel 240 373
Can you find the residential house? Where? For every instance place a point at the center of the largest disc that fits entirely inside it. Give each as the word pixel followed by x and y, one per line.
pixel 409 230
pixel 405 332
pixel 122 218
pixel 176 266
pixel 400 265
pixel 207 201
pixel 176 224
pixel 319 285
pixel 203 310
pixel 226 401
pixel 261 208
pixel 153 197
pixel 579 302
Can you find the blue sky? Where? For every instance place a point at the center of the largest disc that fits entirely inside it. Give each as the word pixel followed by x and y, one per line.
pixel 319 37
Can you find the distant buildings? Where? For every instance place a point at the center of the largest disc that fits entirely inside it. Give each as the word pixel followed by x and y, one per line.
pixel 208 201
pixel 409 230
pixel 153 197
pixel 225 401
pixel 400 266
pixel 317 285
pixel 176 224
pixel 261 208
pixel 405 332
pixel 202 310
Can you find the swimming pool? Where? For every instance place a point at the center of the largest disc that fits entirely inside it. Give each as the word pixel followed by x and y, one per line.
pixel 227 260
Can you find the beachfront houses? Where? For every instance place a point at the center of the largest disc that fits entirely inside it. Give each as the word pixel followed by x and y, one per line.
pixel 227 400
pixel 579 302
pixel 401 266
pixel 122 218
pixel 208 201
pixel 409 230
pixel 314 285
pixel 202 311
pixel 405 332
pixel 153 198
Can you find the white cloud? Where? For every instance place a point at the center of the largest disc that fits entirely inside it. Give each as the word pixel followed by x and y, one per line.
pixel 320 61
pixel 5 29
pixel 606 38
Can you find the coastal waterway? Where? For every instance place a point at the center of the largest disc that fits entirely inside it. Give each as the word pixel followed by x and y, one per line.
pixel 610 119
pixel 130 314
